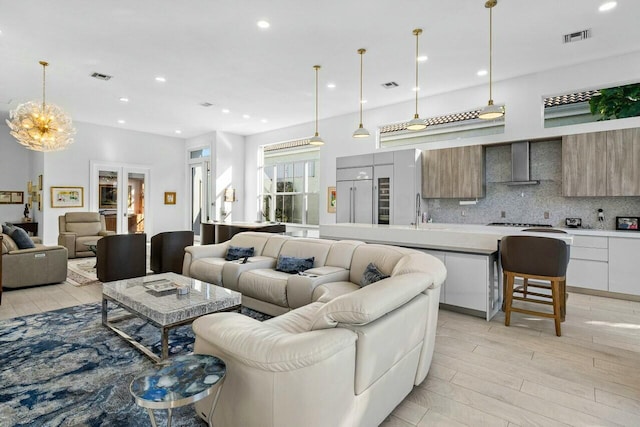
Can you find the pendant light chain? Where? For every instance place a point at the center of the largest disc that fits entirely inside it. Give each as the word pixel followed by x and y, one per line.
pixel 490 54
pixel 361 52
pixel 44 69
pixel 417 33
pixel 317 67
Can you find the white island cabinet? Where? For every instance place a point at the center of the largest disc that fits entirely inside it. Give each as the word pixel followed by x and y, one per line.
pixel 623 265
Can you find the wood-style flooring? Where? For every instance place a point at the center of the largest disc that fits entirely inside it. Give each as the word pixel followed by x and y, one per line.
pixel 486 374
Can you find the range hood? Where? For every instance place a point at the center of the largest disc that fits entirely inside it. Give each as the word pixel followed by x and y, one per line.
pixel 520 165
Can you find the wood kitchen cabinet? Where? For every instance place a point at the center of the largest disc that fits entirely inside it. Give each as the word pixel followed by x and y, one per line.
pixel 453 172
pixel 601 164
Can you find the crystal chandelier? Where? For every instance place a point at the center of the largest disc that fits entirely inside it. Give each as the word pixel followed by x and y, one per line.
pixel 41 127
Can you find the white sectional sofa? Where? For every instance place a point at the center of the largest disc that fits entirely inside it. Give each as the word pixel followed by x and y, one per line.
pixel 337 354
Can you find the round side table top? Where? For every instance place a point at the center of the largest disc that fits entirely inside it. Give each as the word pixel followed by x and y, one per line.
pixel 183 380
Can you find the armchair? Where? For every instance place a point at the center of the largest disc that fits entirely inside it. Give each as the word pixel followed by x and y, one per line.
pixel 167 250
pixel 77 228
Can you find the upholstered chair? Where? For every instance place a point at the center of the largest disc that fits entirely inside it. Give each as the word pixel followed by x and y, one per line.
pixel 77 229
pixel 167 250
pixel 122 256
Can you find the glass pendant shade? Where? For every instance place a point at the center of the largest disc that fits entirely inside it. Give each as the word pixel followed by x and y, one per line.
pixel 315 139
pixel 416 123
pixel 41 126
pixel 361 132
pixel 491 111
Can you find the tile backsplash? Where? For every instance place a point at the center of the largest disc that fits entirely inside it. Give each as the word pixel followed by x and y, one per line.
pixel 528 203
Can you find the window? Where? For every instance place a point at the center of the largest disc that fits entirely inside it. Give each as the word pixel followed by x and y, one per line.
pixel 291 185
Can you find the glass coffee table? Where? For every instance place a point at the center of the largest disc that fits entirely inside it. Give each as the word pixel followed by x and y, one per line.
pixel 182 381
pixel 155 298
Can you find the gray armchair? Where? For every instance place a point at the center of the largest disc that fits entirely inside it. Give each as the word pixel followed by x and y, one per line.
pixel 78 228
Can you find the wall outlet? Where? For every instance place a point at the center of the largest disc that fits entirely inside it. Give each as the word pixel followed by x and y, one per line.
pixel 546 215
pixel 503 214
pixel 463 213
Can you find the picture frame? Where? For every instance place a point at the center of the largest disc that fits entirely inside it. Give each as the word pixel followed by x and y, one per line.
pixel 331 199
pixel 108 197
pixel 9 197
pixel 169 197
pixel 628 223
pixel 67 197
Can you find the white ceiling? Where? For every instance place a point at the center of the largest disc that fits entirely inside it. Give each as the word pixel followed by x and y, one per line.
pixel 213 51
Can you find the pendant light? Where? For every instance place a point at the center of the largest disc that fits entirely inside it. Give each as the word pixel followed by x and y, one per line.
pixel 490 111
pixel 416 123
pixel 41 126
pixel 316 140
pixel 361 132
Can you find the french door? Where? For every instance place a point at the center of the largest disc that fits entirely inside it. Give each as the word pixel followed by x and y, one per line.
pixel 120 193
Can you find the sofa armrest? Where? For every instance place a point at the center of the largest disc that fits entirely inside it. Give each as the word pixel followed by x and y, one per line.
pixel 192 253
pixel 106 233
pixel 300 287
pixel 38 248
pixel 68 240
pixel 264 347
pixel 232 270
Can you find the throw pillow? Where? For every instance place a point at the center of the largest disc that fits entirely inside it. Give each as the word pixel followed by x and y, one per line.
pixel 237 252
pixel 7 228
pixel 290 264
pixel 22 239
pixel 371 275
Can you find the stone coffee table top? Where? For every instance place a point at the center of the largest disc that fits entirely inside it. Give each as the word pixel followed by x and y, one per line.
pixel 169 307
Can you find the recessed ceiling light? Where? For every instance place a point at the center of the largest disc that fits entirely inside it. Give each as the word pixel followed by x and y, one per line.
pixel 124 99
pixel 161 79
pixel 422 58
pixel 246 116
pixel 415 89
pixel 226 111
pixel 121 122
pixel 264 120
pixel 481 73
pixel 263 24
pixel 607 6
pixel 178 131
pixel 331 85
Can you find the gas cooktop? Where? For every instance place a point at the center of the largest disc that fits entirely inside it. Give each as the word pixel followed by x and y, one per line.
pixel 519 224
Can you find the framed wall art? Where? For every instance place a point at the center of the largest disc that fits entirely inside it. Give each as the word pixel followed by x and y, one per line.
pixel 11 197
pixel 67 197
pixel 108 197
pixel 169 197
pixel 331 199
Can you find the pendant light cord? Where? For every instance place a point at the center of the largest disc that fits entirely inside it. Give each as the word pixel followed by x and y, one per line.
pixel 317 67
pixel 44 68
pixel 490 53
pixel 361 52
pixel 417 33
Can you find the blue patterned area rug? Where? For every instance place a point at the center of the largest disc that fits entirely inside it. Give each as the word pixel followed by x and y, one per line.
pixel 63 368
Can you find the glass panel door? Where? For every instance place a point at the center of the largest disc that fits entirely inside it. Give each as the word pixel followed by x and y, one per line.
pixel 108 180
pixel 134 216
pixel 197 198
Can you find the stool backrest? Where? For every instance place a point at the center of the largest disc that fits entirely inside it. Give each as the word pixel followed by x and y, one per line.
pixel 539 256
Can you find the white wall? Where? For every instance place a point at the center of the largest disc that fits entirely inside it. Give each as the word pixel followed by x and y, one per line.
pixel 163 155
pixel 17 166
pixel 524 120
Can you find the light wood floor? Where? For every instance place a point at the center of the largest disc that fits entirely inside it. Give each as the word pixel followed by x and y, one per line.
pixel 484 373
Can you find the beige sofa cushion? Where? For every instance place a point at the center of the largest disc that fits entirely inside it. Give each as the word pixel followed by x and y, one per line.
pixel 371 302
pixel 307 248
pixel 296 321
pixel 417 262
pixel 266 285
pixel 8 244
pixel 208 270
pixel 251 239
pixel 341 252
pixel 383 257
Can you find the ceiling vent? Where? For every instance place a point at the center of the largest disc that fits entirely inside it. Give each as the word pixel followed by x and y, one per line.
pixel 206 104
pixel 101 76
pixel 577 36
pixel 389 85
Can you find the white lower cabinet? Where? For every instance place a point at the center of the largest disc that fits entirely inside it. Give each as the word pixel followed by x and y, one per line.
pixel 468 279
pixel 589 263
pixel 623 271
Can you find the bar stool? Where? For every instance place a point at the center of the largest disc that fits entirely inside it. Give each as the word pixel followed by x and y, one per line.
pixel 538 258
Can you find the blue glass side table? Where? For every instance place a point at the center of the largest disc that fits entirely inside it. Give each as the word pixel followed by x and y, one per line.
pixel 181 381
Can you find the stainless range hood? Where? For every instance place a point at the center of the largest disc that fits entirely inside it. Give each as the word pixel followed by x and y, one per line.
pixel 520 165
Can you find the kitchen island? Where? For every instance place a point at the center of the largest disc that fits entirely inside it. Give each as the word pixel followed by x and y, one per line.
pixel 470 253
pixel 218 232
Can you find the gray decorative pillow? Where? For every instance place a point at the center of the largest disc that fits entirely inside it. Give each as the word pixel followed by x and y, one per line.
pixel 371 275
pixel 290 264
pixel 22 239
pixel 7 228
pixel 237 252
